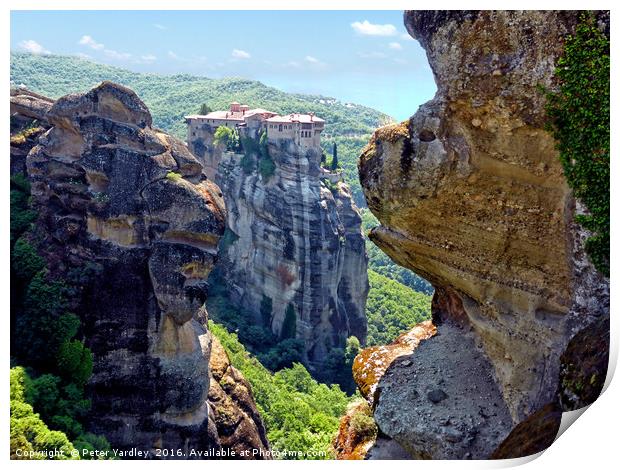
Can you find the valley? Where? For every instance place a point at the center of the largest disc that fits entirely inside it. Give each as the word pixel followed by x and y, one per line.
pixel 215 269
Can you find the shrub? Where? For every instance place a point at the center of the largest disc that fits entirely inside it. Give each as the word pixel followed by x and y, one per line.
pixel 174 177
pixel 25 260
pixel 92 442
pixel 362 422
pixel 204 109
pixel 43 394
pixel 284 354
pixel 21 137
pixel 21 214
pixel 266 309
pixel 42 325
pixel 266 167
pixel 247 164
pixel 75 361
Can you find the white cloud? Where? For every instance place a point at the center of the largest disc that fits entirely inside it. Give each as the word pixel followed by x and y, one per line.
pixel 314 62
pixel 87 40
pixel 148 58
pixel 117 55
pixel 369 29
pixel 239 54
pixel 372 55
pixel 395 45
pixel 159 26
pixel 172 55
pixel 33 47
pixel 406 37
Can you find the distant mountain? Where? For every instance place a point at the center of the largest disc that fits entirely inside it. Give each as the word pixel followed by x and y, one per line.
pixel 171 97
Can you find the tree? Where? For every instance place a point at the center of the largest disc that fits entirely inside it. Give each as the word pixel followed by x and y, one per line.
pixel 266 308
pixel 25 260
pixel 289 326
pixel 28 431
pixel 351 350
pixel 75 361
pixel 204 109
pixel 335 164
pixel 227 137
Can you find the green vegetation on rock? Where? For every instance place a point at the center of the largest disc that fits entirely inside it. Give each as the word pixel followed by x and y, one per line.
pixel 579 112
pixel 254 333
pixel 48 405
pixel 227 137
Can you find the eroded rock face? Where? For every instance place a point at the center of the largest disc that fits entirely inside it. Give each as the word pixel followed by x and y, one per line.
pixel 355 436
pixel 28 122
pixel 470 194
pixel 126 206
pixel 372 363
pixel 296 244
pixel 239 425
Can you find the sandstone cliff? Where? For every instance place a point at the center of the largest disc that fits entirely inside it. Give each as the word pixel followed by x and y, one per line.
pixel 126 207
pixel 293 244
pixel 470 195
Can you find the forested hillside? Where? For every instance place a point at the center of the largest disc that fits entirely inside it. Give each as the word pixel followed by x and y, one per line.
pixel 171 97
pixel 301 415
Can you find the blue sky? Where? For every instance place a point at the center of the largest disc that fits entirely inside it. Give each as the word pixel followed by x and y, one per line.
pixel 359 56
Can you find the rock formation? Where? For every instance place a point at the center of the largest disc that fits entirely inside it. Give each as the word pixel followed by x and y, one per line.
pixel 28 122
pixel 239 425
pixel 125 206
pixel 292 243
pixel 470 195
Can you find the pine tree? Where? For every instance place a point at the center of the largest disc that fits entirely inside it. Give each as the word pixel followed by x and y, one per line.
pixel 335 158
pixel 289 326
pixel 204 109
